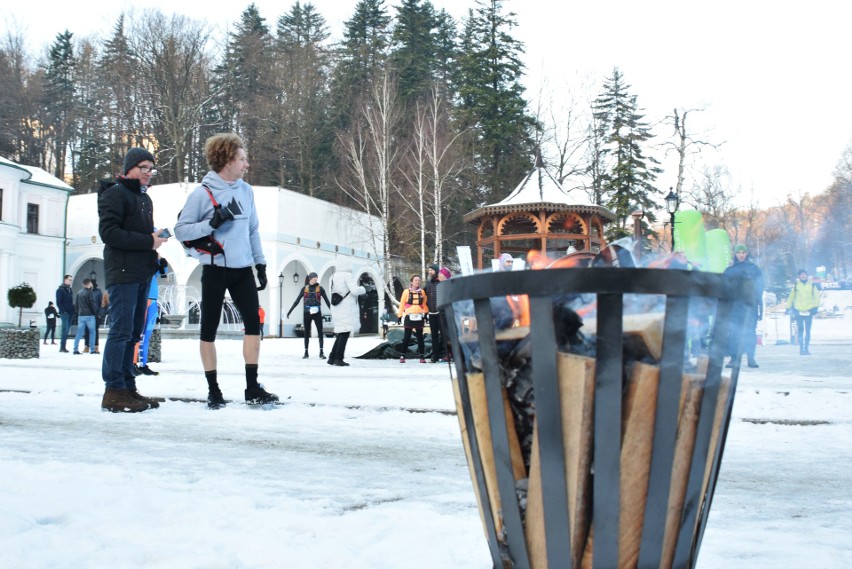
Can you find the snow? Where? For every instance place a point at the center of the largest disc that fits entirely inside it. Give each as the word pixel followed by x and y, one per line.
pixel 363 466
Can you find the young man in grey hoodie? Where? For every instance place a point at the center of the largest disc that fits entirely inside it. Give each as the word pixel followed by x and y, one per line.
pixel 223 209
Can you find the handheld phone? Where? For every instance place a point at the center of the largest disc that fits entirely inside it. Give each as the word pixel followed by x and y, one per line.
pixel 165 233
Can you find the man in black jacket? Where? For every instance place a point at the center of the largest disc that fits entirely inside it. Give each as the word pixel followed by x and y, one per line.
pixel 126 226
pixel 65 305
pixel 434 317
pixel 748 314
pixel 87 312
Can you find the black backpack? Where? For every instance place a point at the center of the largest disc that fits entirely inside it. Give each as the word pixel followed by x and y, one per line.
pixel 206 245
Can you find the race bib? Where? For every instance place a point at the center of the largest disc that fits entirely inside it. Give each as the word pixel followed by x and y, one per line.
pixel 314 309
pixel 415 317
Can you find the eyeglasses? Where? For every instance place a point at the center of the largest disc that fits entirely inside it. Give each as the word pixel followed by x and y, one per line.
pixel 147 169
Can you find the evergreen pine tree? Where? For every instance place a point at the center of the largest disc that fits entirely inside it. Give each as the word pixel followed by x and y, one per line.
pixel 360 59
pixel 413 57
pixel 118 68
pixel 306 142
pixel 247 96
pixel 60 101
pixel 90 159
pixel 491 101
pixel 627 181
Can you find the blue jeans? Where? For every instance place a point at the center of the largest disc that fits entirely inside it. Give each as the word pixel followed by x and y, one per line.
pixel 87 323
pixel 66 327
pixel 128 304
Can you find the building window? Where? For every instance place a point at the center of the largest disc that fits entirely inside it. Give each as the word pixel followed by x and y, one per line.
pixel 32 218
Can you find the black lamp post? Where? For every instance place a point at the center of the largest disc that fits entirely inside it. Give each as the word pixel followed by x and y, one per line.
pixel 672 202
pixel 280 304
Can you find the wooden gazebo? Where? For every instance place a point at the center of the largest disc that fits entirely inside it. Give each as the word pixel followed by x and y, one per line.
pixel 538 215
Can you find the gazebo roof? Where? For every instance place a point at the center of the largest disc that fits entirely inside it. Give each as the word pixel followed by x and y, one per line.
pixel 539 190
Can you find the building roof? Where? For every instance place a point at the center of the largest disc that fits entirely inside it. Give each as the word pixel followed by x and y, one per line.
pixel 539 190
pixel 36 176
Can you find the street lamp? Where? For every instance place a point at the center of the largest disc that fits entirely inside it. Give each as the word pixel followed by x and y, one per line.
pixel 296 277
pixel 280 304
pixel 672 202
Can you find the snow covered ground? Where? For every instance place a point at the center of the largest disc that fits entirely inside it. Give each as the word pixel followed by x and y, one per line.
pixel 364 468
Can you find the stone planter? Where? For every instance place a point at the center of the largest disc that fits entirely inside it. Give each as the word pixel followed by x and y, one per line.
pixel 19 343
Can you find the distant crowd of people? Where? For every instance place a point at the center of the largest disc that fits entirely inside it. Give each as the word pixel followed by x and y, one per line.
pixel 219 226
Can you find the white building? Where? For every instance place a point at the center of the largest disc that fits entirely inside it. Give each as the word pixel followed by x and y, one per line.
pixel 300 234
pixel 32 228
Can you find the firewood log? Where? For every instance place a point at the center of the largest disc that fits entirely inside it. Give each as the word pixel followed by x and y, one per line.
pixel 643 333
pixel 689 411
pixel 576 397
pixel 466 445
pixel 482 428
pixel 638 417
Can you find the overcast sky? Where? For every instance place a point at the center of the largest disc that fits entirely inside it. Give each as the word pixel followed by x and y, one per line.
pixel 772 79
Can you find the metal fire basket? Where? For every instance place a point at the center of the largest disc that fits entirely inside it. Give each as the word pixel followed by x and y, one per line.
pixel 468 308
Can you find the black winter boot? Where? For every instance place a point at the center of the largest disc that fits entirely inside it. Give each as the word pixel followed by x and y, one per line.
pixel 257 395
pixel 306 355
pixel 215 400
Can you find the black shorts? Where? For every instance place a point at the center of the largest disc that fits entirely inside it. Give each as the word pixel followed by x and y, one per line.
pixel 240 283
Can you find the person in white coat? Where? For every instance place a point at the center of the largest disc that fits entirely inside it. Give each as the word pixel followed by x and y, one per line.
pixel 344 313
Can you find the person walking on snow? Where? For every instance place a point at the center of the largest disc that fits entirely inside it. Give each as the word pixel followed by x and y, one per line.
pixel 752 312
pixel 802 304
pixel 224 205
pixel 312 296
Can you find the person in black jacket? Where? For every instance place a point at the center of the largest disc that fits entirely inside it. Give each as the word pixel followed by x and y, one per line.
pixel 126 226
pixel 65 305
pixel 50 314
pixel 87 311
pixel 313 294
pixel 749 314
pixel 97 296
pixel 434 317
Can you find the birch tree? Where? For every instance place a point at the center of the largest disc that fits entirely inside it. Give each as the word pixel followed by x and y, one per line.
pixel 371 160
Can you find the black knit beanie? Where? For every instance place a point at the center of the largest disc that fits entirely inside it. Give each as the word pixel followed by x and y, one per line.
pixel 435 268
pixel 134 157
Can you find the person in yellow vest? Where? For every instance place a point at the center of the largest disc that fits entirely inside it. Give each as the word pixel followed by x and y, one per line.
pixel 413 308
pixel 802 304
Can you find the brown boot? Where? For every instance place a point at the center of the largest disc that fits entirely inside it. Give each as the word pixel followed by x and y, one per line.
pixel 120 401
pixel 150 401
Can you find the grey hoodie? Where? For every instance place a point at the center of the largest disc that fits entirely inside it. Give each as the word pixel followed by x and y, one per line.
pixel 240 237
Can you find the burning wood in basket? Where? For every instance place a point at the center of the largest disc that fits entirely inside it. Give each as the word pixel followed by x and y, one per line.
pixel 643 337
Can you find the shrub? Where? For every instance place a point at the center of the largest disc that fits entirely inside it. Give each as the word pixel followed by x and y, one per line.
pixel 20 297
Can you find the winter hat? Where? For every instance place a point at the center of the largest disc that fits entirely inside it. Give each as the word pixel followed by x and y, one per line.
pixel 435 268
pixel 505 257
pixel 446 272
pixel 740 247
pixel 134 157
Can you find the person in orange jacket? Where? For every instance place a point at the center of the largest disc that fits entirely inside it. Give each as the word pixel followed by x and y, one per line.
pixel 413 307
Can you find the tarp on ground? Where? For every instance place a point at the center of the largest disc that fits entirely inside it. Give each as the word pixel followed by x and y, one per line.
pixel 391 348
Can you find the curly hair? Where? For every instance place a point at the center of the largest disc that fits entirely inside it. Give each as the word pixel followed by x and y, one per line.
pixel 220 149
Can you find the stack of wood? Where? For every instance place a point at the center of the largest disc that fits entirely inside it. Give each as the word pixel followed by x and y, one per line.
pixel 643 339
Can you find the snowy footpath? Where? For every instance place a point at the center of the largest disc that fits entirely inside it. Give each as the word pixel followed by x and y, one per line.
pixel 362 466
